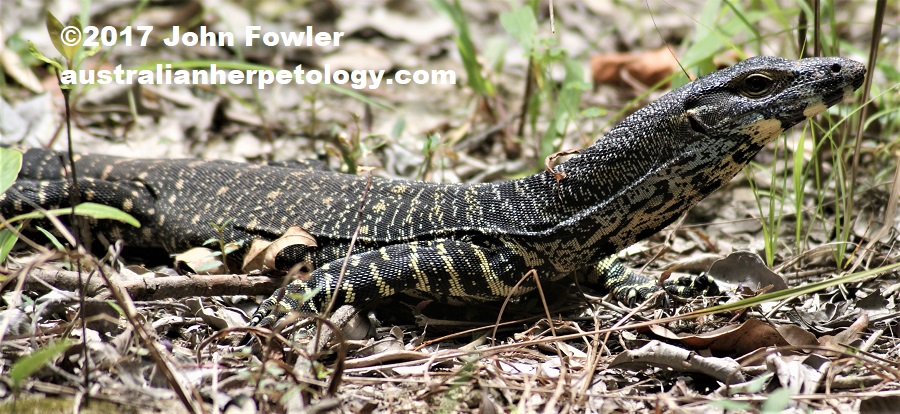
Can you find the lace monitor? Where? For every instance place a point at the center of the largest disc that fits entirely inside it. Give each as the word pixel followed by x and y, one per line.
pixel 459 243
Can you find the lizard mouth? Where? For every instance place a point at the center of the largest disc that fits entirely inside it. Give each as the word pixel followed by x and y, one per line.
pixel 859 77
pixel 851 74
pixel 835 96
pixel 856 73
pixel 846 77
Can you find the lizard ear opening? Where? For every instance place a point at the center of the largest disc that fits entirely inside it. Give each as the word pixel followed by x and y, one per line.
pixel 696 124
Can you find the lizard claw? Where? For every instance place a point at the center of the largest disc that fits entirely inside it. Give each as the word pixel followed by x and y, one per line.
pixel 692 286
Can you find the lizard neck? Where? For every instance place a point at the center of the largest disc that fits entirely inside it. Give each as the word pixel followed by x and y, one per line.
pixel 630 184
pixel 626 163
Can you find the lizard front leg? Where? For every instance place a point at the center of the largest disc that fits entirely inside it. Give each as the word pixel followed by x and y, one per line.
pixel 631 287
pixel 447 270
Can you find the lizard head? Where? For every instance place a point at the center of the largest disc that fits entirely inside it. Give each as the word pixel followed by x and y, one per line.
pixel 762 96
pixel 664 158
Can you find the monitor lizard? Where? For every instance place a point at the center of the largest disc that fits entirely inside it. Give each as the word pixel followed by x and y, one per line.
pixel 459 243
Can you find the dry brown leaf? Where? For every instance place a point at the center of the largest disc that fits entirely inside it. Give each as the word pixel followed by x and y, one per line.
pixel 664 332
pixel 262 253
pixel 796 335
pixel 552 157
pixel 199 260
pixel 646 68
pixel 14 67
pixel 794 374
pixel 746 269
pixel 846 337
pixel 731 340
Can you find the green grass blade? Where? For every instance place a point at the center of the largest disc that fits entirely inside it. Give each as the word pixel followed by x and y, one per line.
pixel 10 165
pixel 797 291
pixel 465 46
pixel 56 243
pixel 94 210
pixel 8 239
pixel 28 365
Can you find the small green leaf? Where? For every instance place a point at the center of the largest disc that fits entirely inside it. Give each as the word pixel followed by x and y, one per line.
pixel 10 165
pixel 777 401
pixel 116 307
pixel 7 241
pixel 304 296
pixel 94 210
pixel 67 40
pixel 522 26
pixel 27 365
pixel 592 112
pixel 567 104
pixel 54 29
pixel 72 50
pixel 398 128
pixel 52 238
pixel 40 56
pixel 210 241
pixel 431 142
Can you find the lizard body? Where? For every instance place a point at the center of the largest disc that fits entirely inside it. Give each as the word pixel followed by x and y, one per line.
pixel 466 242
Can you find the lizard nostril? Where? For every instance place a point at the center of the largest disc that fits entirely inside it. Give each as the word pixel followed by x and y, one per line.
pixel 836 67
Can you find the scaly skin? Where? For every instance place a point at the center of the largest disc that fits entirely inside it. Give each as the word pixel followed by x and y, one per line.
pixel 467 242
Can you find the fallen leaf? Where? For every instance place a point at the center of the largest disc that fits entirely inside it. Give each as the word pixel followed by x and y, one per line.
pixel 263 254
pixel 199 260
pixel 845 338
pixel 745 268
pixel 660 354
pixel 29 121
pixel 873 302
pixel 730 340
pixel 794 375
pixel 16 69
pixel 216 316
pixel 645 68
pixel 796 335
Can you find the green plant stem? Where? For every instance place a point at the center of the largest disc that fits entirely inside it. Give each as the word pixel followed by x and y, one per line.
pixel 529 90
pixel 877 23
pixel 80 235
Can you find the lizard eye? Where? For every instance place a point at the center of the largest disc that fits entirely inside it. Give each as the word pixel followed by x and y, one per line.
pixel 757 85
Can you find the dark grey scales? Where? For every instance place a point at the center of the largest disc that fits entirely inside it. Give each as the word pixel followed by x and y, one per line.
pixel 459 243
